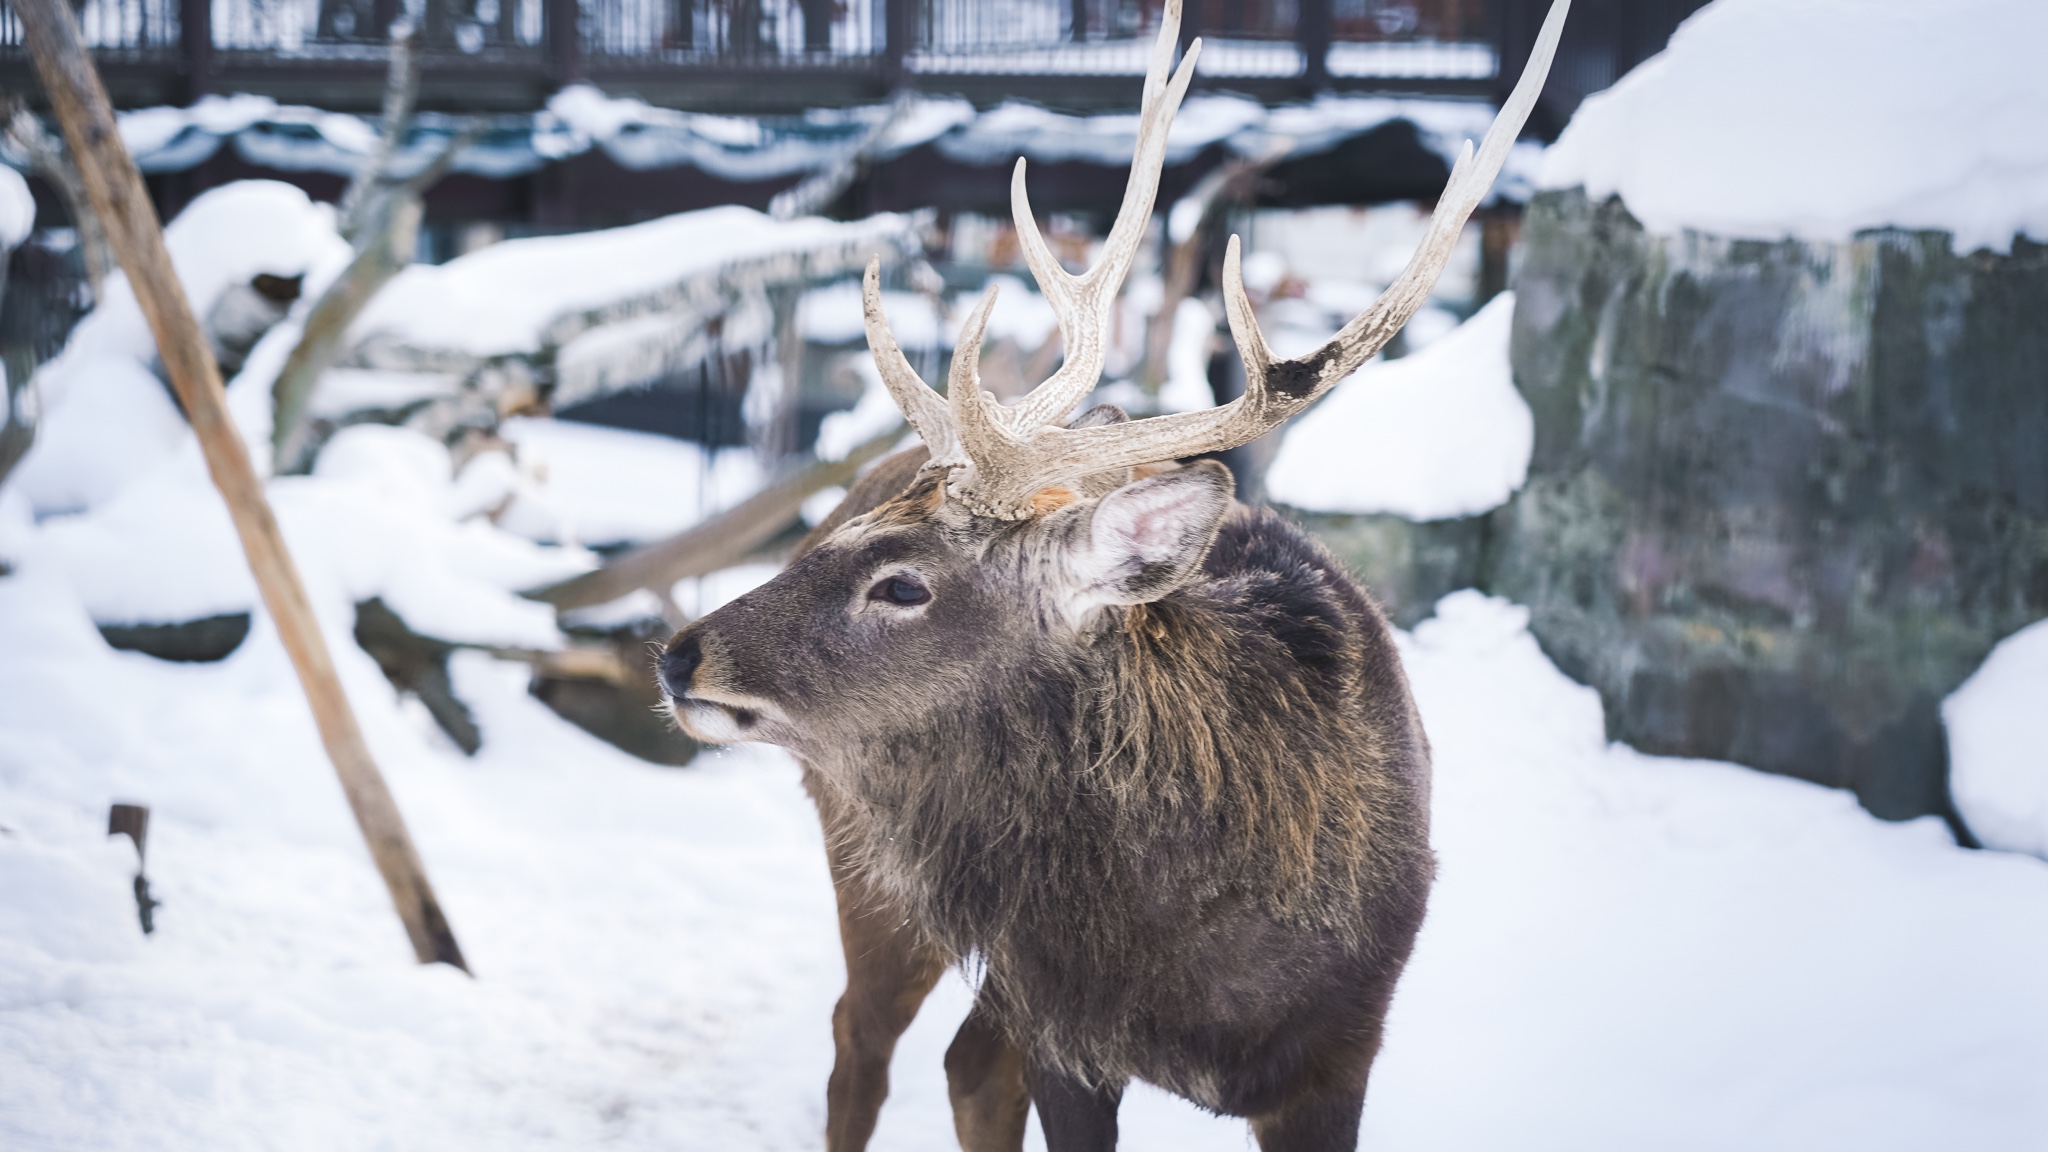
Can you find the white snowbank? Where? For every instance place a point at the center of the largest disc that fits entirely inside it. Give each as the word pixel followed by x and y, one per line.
pixel 1816 118
pixel 1436 434
pixel 1622 953
pixel 107 418
pixel 1998 744
pixel 374 520
pixel 841 432
pixel 134 529
pixel 1187 387
pixel 503 299
pixel 832 315
pixel 17 209
pixel 613 486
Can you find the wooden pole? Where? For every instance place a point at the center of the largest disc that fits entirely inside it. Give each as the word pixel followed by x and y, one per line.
pixel 115 188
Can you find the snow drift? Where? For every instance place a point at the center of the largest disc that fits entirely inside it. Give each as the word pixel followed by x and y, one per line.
pixel 1437 434
pixel 1998 744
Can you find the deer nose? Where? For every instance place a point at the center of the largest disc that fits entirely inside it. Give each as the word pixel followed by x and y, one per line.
pixel 679 664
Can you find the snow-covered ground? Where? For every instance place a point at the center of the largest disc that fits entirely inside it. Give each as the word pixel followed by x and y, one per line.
pixel 1623 952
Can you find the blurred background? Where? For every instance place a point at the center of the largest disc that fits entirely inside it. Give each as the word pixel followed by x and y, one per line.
pixel 1711 485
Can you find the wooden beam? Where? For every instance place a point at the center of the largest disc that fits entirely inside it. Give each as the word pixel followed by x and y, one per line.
pixel 115 188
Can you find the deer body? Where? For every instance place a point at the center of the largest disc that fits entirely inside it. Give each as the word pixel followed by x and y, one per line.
pixel 1187 836
pixel 1189 839
pixel 1074 713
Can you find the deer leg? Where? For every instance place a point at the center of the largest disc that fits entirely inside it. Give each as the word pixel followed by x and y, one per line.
pixel 889 971
pixel 1076 1117
pixel 1321 1119
pixel 985 1080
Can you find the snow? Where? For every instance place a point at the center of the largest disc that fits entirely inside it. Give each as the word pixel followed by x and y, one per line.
pixel 1187 387
pixel 17 209
pixel 640 137
pixel 133 528
pixel 1816 118
pixel 1998 744
pixel 841 432
pixel 1437 434
pixel 832 315
pixel 1623 952
pixel 107 417
pixel 518 296
pixel 611 486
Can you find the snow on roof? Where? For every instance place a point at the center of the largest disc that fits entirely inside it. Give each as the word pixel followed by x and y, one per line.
pixel 1434 435
pixel 521 296
pixel 640 136
pixel 1817 118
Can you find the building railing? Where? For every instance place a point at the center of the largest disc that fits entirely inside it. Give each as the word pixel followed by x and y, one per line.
pixel 303 48
pixel 115 29
pixel 1081 36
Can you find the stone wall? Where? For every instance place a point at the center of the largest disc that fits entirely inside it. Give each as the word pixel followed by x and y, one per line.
pixel 1785 496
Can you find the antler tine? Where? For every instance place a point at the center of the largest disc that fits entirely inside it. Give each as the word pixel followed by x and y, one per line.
pixel 990 448
pixel 1082 303
pixel 1274 390
pixel 1471 176
pixel 923 407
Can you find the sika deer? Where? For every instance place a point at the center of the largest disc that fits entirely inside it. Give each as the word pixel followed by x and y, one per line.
pixel 1071 711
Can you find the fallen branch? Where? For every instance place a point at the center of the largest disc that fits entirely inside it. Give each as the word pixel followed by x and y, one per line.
pixel 717 543
pixel 115 189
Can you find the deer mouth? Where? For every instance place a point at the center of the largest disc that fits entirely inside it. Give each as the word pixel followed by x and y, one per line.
pixel 716 721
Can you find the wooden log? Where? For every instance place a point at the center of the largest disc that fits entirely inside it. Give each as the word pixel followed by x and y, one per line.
pixel 115 188
pixel 717 543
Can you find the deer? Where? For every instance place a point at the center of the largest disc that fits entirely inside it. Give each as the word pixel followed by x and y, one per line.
pixel 1140 755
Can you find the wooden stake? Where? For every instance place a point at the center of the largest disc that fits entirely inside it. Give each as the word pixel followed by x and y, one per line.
pixel 115 188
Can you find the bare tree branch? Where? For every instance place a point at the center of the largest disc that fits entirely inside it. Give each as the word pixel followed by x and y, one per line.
pixel 401 93
pixel 320 343
pixel 381 220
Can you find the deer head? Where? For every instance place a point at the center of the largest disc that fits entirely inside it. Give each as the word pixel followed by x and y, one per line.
pixel 1023 527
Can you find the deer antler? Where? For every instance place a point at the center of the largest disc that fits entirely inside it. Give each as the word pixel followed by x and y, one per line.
pixel 1001 457
pixel 1082 303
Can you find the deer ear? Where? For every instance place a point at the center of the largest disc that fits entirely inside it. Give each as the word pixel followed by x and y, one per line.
pixel 1146 539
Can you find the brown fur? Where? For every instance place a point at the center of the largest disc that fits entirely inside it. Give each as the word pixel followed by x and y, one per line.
pixel 1186 838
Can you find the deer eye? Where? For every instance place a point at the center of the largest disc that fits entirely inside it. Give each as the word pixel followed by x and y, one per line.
pixel 902 590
